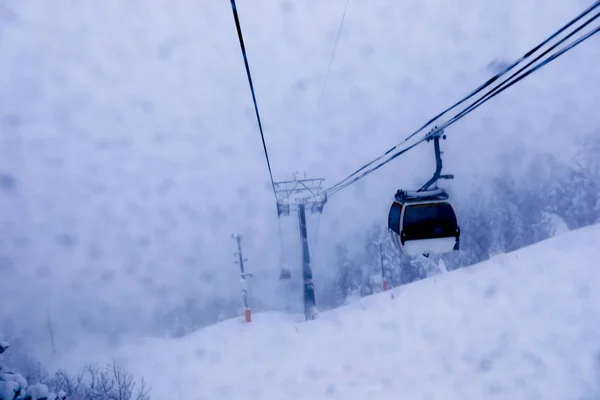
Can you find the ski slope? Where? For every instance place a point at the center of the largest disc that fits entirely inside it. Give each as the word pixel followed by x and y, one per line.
pixel 522 325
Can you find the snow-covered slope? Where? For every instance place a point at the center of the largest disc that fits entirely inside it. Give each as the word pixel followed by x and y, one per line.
pixel 524 325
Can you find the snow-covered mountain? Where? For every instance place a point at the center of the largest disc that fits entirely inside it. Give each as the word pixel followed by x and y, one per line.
pixel 522 325
pixel 129 151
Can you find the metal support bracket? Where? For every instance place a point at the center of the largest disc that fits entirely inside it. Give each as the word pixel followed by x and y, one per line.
pixel 435 135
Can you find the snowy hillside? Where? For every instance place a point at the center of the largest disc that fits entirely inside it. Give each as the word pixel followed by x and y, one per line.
pixel 523 325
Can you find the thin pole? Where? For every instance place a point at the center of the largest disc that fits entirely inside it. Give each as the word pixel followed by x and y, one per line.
pixel 243 276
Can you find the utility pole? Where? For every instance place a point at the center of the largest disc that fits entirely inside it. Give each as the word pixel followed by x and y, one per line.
pixel 299 195
pixel 243 276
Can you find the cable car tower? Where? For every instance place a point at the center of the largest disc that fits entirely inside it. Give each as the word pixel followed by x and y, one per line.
pixel 299 195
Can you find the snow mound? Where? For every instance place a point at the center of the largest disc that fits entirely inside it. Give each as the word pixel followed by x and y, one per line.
pixel 10 383
pixel 8 390
pixel 522 325
pixel 38 391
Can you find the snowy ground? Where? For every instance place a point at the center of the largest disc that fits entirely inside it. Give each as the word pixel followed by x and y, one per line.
pixel 523 325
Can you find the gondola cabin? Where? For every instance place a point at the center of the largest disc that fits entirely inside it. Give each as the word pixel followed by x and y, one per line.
pixel 423 223
pixel 285 274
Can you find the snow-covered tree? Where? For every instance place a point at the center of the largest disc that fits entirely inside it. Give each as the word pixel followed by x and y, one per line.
pixel 92 383
pixel 587 160
pixel 13 386
pixel 350 276
pixel 111 383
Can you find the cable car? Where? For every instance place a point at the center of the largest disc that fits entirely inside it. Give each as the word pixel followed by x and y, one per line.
pixel 285 274
pixel 423 222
